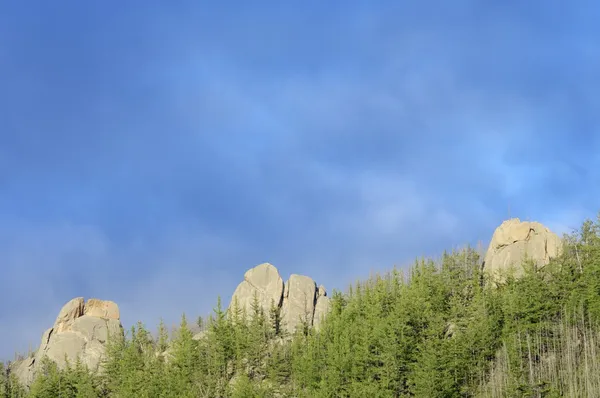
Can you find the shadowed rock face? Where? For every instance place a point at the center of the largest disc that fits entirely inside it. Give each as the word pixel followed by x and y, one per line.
pixel 321 307
pixel 515 240
pixel 298 299
pixel 81 330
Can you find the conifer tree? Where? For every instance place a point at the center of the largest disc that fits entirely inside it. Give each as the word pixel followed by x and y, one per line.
pixel 50 382
pixel 10 387
pixel 220 352
pixel 183 366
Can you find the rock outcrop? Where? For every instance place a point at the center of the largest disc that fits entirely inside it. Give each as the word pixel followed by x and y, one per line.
pixel 80 331
pixel 513 241
pixel 263 281
pixel 298 300
pixel 321 307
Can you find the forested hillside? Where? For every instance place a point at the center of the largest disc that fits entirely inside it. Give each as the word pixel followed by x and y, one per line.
pixel 439 329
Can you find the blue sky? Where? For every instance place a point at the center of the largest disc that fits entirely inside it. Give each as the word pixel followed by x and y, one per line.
pixel 152 152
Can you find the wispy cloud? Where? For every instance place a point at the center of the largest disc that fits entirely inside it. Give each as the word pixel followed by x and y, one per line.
pixel 151 156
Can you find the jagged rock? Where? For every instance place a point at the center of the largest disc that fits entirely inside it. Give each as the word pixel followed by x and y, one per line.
pixel 515 240
pixel 69 312
pixel 102 309
pixel 299 301
pixel 264 281
pixel 80 331
pixel 321 292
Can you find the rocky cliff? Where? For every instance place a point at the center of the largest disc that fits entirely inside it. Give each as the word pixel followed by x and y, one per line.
pixel 298 299
pixel 81 330
pixel 513 241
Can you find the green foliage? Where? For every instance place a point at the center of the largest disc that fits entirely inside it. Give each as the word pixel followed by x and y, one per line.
pixel 133 366
pixel 184 363
pixel 244 387
pixel 9 385
pixel 70 382
pixel 441 331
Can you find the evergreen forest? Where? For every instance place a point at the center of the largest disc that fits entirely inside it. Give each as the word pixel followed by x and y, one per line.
pixel 437 329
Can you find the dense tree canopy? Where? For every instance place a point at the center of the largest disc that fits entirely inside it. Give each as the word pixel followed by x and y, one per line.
pixel 441 330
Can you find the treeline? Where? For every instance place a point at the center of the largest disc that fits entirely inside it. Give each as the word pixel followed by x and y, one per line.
pixel 440 330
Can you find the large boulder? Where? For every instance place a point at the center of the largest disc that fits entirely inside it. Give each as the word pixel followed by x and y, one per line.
pixel 262 281
pixel 515 240
pixel 298 301
pixel 81 330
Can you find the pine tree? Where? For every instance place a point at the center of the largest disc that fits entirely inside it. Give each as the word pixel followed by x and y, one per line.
pixel 10 385
pixel 244 387
pixel 258 333
pixel 3 381
pixel 84 383
pixel 220 352
pixel 130 365
pixel 183 365
pixel 50 382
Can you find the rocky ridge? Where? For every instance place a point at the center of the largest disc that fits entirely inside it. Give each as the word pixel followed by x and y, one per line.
pixel 298 299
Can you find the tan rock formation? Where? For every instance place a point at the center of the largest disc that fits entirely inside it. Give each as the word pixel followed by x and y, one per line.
pixel 513 241
pixel 322 307
pixel 299 301
pixel 263 281
pixel 69 312
pixel 80 330
pixel 321 292
pixel 102 309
